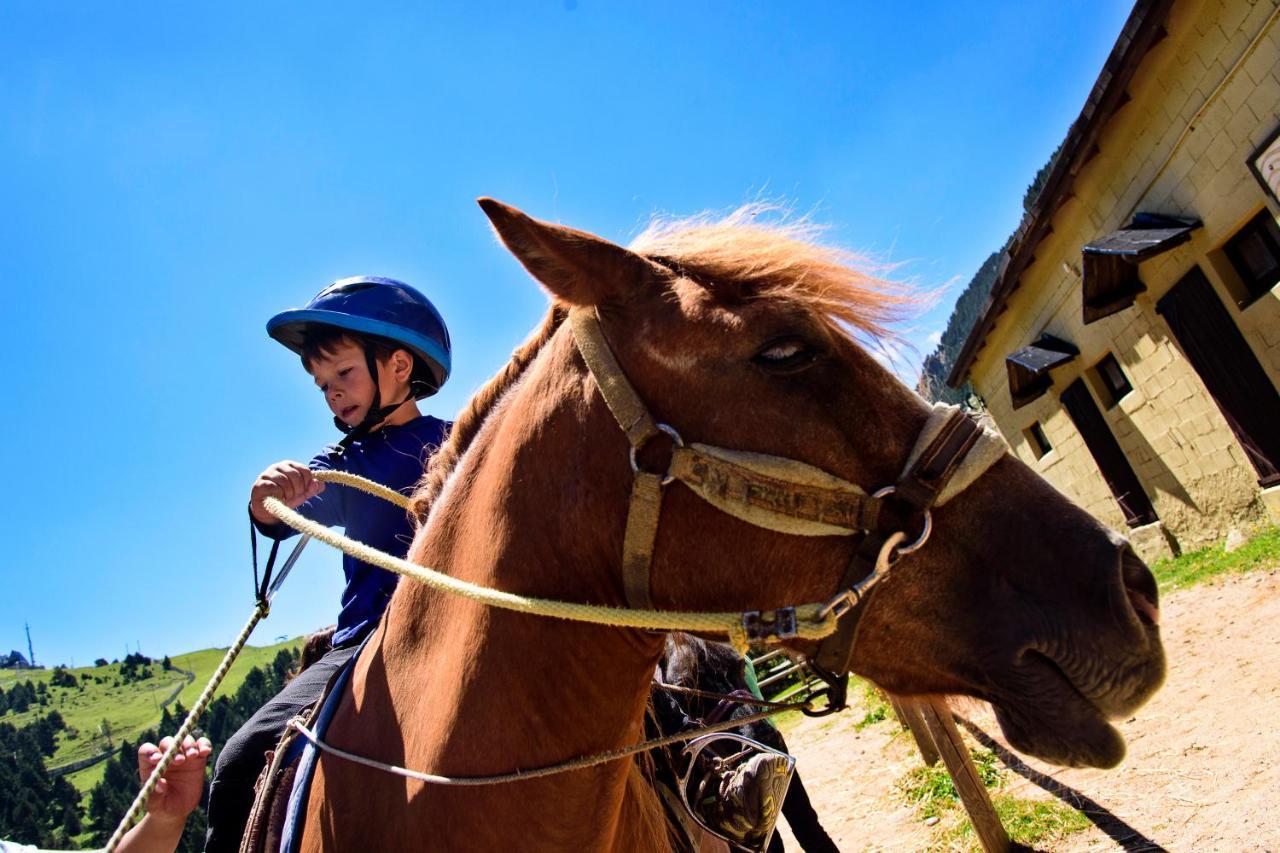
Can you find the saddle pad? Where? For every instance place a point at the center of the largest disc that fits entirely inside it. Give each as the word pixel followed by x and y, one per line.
pixel 295 813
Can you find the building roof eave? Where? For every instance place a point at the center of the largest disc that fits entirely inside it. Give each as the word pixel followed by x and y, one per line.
pixel 1142 31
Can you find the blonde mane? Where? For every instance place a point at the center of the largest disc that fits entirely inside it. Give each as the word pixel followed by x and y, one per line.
pixel 768 257
pixel 762 259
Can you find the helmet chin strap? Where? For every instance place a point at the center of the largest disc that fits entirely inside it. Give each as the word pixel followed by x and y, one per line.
pixel 377 412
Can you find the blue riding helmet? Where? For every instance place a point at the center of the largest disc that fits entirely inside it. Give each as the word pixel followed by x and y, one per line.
pixel 384 307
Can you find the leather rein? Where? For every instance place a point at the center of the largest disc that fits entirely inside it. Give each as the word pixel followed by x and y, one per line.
pixel 788 496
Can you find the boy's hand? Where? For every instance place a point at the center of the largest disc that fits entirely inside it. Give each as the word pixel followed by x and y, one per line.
pixel 292 482
pixel 178 792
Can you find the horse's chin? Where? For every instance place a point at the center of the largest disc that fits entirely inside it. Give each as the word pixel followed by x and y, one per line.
pixel 1057 724
pixel 1092 743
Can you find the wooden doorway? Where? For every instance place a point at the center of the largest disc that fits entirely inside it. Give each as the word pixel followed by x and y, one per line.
pixel 1229 369
pixel 1106 451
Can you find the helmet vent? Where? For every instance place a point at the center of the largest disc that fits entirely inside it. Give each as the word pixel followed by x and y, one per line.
pixel 353 287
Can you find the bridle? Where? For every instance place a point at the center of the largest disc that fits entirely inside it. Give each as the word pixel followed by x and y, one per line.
pixel 788 496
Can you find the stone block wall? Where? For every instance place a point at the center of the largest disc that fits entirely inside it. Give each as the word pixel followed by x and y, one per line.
pixel 1201 102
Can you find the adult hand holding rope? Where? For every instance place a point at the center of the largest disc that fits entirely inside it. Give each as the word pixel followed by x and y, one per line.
pixel 171 799
pixel 177 744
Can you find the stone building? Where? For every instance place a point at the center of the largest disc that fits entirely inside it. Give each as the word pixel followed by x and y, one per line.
pixel 1130 348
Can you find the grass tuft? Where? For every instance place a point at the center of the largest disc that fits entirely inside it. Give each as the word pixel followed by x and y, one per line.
pixel 877 709
pixel 931 790
pixel 874 715
pixel 1196 567
pixel 1028 822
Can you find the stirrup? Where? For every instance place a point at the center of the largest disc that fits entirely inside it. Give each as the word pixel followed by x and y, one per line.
pixel 736 792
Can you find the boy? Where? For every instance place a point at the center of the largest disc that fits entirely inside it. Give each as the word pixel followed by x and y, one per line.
pixel 374 347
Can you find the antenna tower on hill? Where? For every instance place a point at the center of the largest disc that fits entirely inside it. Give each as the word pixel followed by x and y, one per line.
pixel 31 652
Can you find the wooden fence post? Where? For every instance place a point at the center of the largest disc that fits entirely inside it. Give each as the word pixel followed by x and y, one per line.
pixel 909 716
pixel 973 794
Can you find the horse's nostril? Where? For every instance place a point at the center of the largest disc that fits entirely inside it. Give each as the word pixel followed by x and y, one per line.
pixel 1140 587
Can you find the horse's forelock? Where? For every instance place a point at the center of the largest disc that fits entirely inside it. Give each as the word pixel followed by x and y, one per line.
pixel 759 253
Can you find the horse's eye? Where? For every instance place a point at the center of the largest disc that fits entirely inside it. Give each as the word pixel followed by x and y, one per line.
pixel 786 355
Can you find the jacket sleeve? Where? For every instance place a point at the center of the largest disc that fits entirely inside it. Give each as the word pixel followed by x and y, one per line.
pixel 327 508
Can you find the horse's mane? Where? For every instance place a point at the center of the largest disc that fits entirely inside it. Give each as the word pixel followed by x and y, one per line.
pixel 473 416
pixel 686 659
pixel 764 255
pixel 762 259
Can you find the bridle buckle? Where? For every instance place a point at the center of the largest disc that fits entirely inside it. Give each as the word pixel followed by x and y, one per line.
pixel 770 624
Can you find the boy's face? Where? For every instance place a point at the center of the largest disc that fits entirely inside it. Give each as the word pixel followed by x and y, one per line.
pixel 344 379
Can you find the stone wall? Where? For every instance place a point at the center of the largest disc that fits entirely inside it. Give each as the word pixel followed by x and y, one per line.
pixel 1202 101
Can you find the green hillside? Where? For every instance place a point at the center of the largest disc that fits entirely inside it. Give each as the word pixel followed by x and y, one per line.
pixel 109 703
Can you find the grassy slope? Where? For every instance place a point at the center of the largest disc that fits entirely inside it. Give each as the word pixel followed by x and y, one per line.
pixel 128 708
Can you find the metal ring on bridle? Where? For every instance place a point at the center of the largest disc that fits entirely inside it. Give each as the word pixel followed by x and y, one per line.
pixel 927 529
pixel 672 434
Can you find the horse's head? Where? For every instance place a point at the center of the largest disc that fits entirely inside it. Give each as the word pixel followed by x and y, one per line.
pixel 740 335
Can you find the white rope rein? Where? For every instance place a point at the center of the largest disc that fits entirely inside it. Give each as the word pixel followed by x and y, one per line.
pixel 812 620
pixel 550 769
pixel 206 696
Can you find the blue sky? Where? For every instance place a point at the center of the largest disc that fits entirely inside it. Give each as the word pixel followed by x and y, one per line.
pixel 172 176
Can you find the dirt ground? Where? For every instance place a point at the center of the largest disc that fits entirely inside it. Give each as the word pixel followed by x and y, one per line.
pixel 1203 767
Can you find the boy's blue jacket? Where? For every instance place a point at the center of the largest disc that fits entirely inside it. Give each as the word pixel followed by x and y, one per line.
pixel 394 456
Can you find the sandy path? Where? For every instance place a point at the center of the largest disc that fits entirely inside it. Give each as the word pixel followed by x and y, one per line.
pixel 1203 769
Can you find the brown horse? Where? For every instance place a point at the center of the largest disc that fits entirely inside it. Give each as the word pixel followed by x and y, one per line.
pixel 742 335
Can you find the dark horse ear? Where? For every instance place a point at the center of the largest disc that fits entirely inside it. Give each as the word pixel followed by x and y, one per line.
pixel 577 267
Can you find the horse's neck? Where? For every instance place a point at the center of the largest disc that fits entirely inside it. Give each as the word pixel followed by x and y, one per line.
pixel 480 691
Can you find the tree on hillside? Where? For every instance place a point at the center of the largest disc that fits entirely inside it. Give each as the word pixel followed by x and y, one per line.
pixel 937 365
pixel 21 696
pixel 45 731
pixel 933 374
pixel 135 667
pixel 283 665
pixel 111 797
pixel 35 808
pixel 62 678
pixel 1032 195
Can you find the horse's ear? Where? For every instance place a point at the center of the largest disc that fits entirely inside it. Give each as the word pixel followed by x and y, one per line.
pixel 577 267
